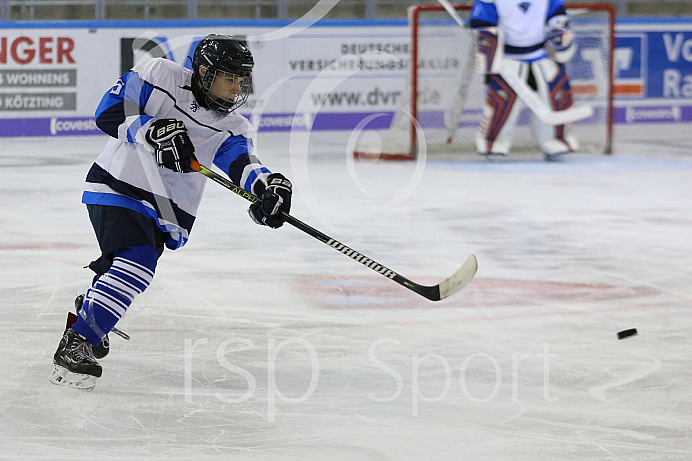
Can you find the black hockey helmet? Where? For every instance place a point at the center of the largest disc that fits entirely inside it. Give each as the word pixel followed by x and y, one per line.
pixel 228 59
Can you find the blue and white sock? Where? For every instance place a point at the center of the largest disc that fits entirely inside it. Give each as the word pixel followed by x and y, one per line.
pixel 107 300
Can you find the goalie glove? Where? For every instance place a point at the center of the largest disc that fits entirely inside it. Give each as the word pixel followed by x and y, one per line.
pixel 560 39
pixel 172 145
pixel 275 198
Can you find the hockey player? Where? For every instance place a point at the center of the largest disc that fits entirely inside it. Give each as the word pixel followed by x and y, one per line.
pixel 140 194
pixel 537 42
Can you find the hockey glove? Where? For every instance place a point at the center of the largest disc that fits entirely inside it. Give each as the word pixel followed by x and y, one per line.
pixel 172 145
pixel 560 39
pixel 275 199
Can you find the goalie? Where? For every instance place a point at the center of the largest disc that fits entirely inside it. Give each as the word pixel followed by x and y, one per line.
pixel 531 40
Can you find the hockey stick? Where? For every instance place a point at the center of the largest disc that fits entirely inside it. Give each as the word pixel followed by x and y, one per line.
pixel 544 112
pixel 456 114
pixel 462 90
pixel 444 289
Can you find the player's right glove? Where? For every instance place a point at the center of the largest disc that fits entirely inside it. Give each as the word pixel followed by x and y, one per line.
pixel 275 199
pixel 172 145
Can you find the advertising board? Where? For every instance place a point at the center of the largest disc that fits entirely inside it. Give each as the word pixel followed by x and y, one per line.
pixel 325 77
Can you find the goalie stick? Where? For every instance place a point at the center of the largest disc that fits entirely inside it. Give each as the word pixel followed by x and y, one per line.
pixel 453 116
pixel 443 290
pixel 544 112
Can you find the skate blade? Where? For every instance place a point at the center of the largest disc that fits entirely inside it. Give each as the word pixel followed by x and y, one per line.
pixel 492 156
pixel 63 377
pixel 556 157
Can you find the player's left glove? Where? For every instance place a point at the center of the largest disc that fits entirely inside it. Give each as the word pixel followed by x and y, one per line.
pixel 275 198
pixel 172 145
pixel 560 39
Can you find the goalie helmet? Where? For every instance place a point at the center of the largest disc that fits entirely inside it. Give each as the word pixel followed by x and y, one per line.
pixel 221 73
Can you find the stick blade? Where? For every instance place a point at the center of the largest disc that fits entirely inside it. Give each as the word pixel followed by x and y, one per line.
pixel 540 107
pixel 571 115
pixel 460 278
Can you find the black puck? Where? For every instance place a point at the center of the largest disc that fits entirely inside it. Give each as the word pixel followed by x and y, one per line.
pixel 627 333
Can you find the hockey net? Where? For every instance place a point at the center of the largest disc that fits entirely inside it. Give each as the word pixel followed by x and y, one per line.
pixel 440 108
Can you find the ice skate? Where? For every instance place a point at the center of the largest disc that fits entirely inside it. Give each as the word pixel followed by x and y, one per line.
pixel 492 156
pixel 492 150
pixel 554 157
pixel 74 361
pixel 104 347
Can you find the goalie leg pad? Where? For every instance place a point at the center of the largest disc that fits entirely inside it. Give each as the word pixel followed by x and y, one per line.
pixel 553 86
pixel 559 87
pixel 499 115
pixel 489 50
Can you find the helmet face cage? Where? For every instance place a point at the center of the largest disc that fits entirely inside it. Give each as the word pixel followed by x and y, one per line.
pixel 222 78
pixel 229 94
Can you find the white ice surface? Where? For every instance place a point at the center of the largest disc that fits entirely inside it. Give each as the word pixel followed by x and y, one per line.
pixel 261 344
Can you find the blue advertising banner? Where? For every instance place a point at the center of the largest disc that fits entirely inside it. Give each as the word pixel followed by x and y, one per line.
pixel 670 65
pixel 654 64
pixel 630 73
pixel 653 71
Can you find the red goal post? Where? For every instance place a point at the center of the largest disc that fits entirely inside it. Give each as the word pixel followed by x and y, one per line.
pixel 443 96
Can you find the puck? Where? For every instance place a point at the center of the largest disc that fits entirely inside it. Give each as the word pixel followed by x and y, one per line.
pixel 627 333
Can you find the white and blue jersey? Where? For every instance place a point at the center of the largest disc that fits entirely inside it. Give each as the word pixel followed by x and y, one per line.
pixel 523 23
pixel 126 174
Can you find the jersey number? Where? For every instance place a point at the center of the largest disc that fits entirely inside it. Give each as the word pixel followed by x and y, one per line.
pixel 118 87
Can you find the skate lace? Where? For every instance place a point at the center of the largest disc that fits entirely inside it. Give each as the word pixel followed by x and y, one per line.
pixel 82 349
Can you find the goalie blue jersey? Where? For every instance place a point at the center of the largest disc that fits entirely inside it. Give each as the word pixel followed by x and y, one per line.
pixel 126 173
pixel 522 21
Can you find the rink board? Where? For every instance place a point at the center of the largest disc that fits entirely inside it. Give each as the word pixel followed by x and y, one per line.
pixel 52 77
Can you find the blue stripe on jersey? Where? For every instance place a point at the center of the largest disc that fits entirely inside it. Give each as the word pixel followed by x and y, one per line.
pixel 230 150
pixel 233 157
pixel 555 8
pixel 136 125
pixel 109 298
pixel 252 177
pixel 538 58
pixel 131 197
pixel 102 198
pixel 127 98
pixel 483 14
